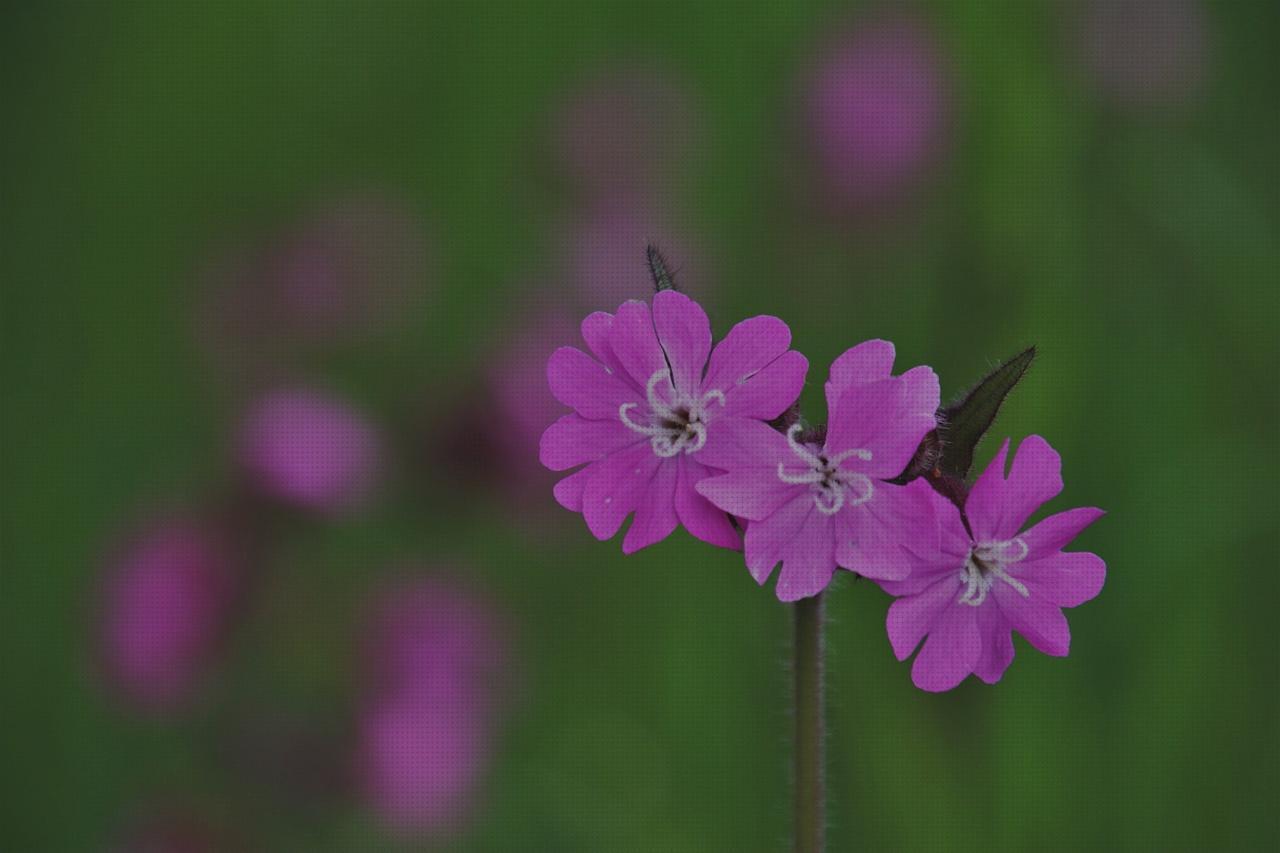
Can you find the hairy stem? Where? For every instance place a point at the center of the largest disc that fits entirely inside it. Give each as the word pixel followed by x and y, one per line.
pixel 810 794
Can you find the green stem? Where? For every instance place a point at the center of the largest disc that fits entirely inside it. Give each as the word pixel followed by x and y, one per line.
pixel 810 796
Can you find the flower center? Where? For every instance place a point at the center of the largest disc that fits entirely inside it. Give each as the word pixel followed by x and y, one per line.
pixel 986 564
pixel 829 482
pixel 680 424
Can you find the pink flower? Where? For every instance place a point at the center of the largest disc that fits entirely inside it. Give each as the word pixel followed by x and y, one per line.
pixel 967 592
pixel 876 105
pixel 347 270
pixel 309 449
pixel 434 659
pixel 649 407
pixel 164 606
pixel 815 506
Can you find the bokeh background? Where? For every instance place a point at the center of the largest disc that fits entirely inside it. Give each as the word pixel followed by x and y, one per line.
pixel 281 571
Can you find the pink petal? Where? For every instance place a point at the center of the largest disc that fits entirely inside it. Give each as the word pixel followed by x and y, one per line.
pixel 1052 534
pixel 767 541
pixel 876 417
pixel 997 507
pixel 635 342
pixel 750 493
pixel 597 328
pixel 616 488
pixel 809 562
pixel 769 392
pixel 568 492
pixel 868 362
pixel 997 644
pixel 734 442
pixel 1067 579
pixel 1039 620
pixel 685 335
pixel 750 346
pixel 913 616
pixel 656 511
pixel 582 383
pixel 573 440
pixel 698 515
pixel 951 652
pixel 874 538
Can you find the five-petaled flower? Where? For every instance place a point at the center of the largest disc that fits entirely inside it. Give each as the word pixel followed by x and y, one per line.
pixel 815 506
pixel 970 587
pixel 650 406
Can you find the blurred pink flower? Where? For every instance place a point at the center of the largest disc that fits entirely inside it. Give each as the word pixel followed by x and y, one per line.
pixel 606 260
pixel 523 403
pixel 434 657
pixel 309 449
pixel 624 133
pixel 876 107
pixel 419 764
pixel 163 608
pixel 1144 52
pixel 347 270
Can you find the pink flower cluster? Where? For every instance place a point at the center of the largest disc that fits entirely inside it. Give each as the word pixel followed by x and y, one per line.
pixel 433 655
pixel 678 433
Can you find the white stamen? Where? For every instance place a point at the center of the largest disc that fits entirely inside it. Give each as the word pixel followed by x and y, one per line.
pixel 830 483
pixel 675 431
pixel 978 579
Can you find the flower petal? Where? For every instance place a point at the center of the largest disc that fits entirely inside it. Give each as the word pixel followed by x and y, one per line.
pixel 635 343
pixel 998 506
pixel 597 328
pixel 568 492
pixel 1039 620
pixel 750 493
pixel 617 488
pixel 913 616
pixel 888 417
pixel 584 385
pixel 767 541
pixel 685 336
pixel 656 511
pixel 997 644
pixel 770 391
pixel 1052 534
pixel 868 362
pixel 698 515
pixel 734 442
pixel 749 347
pixel 873 542
pixel 1066 579
pixel 809 562
pixel 951 652
pixel 573 440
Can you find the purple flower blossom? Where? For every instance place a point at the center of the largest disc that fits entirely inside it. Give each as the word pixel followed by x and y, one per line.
pixel 876 109
pixel 650 405
pixel 966 592
pixel 434 656
pixel 346 270
pixel 815 506
pixel 164 605
pixel 309 449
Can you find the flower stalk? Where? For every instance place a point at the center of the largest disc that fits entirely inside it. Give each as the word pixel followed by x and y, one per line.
pixel 810 793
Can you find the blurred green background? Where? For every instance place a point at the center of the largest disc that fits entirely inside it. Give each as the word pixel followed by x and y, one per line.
pixel 1136 247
